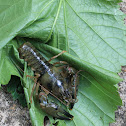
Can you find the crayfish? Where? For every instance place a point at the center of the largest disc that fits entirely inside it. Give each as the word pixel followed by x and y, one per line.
pixel 60 82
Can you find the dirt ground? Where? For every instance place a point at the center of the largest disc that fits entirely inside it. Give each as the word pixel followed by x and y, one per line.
pixel 13 114
pixel 120 114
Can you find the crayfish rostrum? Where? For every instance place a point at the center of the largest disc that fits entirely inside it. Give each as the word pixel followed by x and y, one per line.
pixel 58 81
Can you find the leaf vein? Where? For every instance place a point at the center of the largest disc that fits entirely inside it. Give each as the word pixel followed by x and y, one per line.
pixel 55 20
pixel 95 104
pixel 84 116
pixel 86 45
pixel 100 89
pixel 65 22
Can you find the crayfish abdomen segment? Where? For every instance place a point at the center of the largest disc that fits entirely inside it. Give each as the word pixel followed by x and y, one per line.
pixel 38 63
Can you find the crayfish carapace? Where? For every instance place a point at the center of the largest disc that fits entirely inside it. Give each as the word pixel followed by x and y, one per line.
pixel 60 82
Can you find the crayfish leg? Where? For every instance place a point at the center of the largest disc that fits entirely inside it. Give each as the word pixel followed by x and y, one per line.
pixel 32 92
pixel 37 88
pixel 35 81
pixel 56 56
pixel 60 62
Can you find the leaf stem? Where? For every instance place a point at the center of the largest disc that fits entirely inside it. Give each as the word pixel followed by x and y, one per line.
pixel 55 20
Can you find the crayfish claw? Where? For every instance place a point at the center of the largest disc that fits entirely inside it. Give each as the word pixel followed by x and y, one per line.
pixel 53 109
pixel 64 115
pixel 65 118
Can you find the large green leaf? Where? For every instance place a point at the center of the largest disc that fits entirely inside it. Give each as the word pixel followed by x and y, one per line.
pixel 92 32
pixel 18 14
pixel 7 67
pixel 91 108
pixel 97 98
pixel 88 29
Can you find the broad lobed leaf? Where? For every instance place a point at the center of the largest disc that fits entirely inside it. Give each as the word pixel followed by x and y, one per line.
pixel 7 65
pixel 89 30
pixel 93 93
pixel 91 108
pixel 18 14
